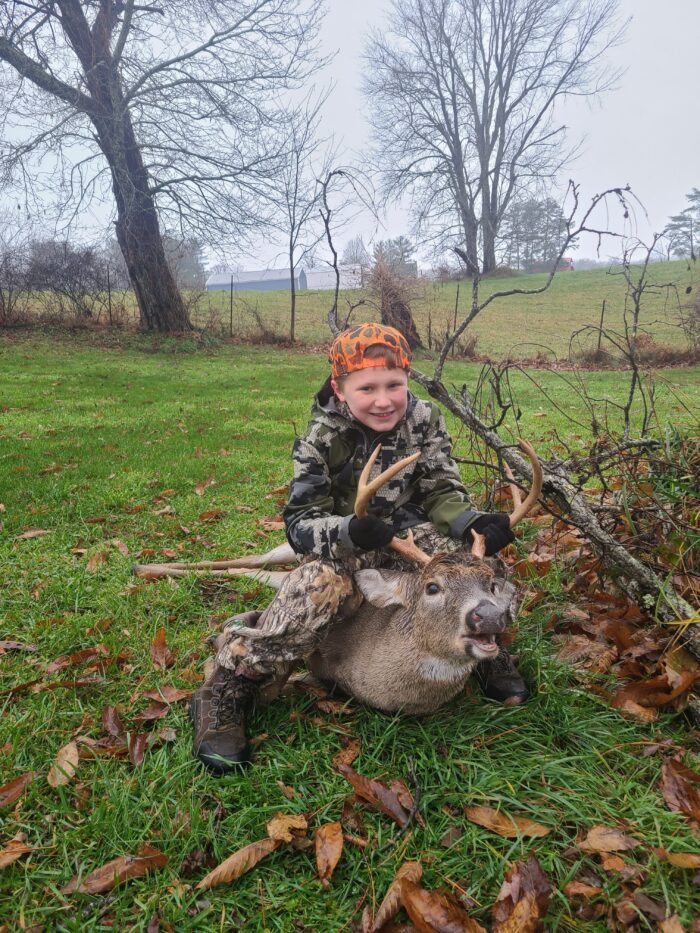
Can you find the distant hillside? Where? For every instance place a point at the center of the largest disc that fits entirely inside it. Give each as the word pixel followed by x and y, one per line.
pixel 573 300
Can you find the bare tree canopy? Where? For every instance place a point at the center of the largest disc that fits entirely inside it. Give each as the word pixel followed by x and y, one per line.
pixel 462 96
pixel 174 107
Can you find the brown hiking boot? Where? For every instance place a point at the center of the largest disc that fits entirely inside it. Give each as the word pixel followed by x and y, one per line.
pixel 217 711
pixel 501 680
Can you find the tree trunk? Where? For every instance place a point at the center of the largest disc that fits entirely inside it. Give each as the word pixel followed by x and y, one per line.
pixel 138 232
pixel 292 295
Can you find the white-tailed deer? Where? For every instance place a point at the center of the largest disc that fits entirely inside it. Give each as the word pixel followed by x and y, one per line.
pixel 418 635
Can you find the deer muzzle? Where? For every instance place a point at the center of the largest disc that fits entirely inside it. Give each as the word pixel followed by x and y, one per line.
pixel 484 622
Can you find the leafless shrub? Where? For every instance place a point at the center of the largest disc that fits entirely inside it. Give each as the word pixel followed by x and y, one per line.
pixel 263 333
pixel 68 282
pixel 689 322
pixel 392 294
pixel 14 300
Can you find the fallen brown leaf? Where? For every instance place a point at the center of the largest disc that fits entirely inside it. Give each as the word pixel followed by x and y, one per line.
pixel 14 789
pixel 118 871
pixel 671 925
pixel 288 791
pixel 78 657
pixel 152 712
pixel 238 863
pixel 14 849
pixel 137 747
pixel 432 912
pixel 504 824
pixel 31 533
pixel 523 899
pixel 211 515
pixel 15 646
pixel 168 694
pixel 284 826
pixel 376 794
pixel 111 722
pixel 678 791
pixel 95 561
pixel 581 889
pixel 120 546
pixel 160 653
pixel 63 769
pixel 411 871
pixel 329 848
pixel 679 859
pixel 607 839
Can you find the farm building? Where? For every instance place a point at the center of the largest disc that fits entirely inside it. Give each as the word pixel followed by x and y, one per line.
pixel 324 277
pixel 264 280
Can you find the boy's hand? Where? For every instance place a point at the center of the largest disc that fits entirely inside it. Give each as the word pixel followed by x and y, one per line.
pixel 495 527
pixel 370 533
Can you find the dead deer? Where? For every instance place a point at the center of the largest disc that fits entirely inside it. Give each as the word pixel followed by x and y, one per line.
pixel 418 635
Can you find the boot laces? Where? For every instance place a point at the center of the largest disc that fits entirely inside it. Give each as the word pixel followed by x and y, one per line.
pixel 226 704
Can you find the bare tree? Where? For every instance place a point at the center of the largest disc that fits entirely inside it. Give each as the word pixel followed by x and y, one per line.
pixel 462 96
pixel 297 194
pixel 174 106
pixel 356 253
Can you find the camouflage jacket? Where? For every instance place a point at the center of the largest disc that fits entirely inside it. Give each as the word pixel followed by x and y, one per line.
pixel 328 461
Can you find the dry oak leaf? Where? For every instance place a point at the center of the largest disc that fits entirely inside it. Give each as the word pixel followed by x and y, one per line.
pixel 348 754
pixel 607 839
pixel 161 655
pixel 679 859
pixel 284 826
pixel 329 848
pixel 432 912
pixel 376 794
pixel 504 824
pixel 15 788
pixel 96 560
pixel 63 769
pixel 118 871
pixel 238 863
pixel 581 889
pixel 14 849
pixel 677 790
pixel 671 925
pixel 389 907
pixel 523 899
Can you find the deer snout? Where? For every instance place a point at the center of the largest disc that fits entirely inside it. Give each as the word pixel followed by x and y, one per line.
pixel 486 618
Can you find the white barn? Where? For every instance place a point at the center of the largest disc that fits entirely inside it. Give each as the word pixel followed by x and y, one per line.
pixel 263 280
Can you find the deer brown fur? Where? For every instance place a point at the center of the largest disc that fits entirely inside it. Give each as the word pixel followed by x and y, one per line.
pixel 415 640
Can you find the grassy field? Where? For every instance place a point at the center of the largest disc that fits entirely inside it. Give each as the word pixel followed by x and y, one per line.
pixel 110 453
pixel 521 324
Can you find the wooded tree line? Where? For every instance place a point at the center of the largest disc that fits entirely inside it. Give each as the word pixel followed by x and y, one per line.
pixel 182 114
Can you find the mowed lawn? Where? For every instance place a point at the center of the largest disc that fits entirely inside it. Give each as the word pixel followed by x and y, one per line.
pixel 521 325
pixel 122 455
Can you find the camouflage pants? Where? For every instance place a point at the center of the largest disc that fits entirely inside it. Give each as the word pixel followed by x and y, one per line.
pixel 314 596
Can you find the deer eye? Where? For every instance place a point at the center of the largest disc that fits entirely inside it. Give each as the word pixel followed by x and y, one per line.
pixel 432 588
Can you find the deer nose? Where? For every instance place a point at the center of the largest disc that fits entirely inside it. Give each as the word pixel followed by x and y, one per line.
pixel 486 618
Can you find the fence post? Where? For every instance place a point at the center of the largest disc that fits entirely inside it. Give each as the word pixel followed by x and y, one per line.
pixel 109 297
pixel 230 328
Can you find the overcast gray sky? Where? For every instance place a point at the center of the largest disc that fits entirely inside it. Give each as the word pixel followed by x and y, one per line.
pixel 645 133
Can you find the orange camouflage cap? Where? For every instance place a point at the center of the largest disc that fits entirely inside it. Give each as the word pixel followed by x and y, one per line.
pixel 348 349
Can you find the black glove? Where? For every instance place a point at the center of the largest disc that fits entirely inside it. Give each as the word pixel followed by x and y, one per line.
pixel 495 527
pixel 370 532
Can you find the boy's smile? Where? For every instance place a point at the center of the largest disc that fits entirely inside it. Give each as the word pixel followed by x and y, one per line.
pixel 377 397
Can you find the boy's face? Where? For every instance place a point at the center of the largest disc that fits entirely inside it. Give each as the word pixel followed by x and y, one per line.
pixel 377 397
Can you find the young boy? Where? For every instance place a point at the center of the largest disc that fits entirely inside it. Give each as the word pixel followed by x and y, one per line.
pixel 364 402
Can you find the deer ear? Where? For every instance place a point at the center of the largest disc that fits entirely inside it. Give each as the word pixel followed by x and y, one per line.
pixel 382 587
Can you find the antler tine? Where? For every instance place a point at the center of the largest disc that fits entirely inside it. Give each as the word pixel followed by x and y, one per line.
pixel 366 490
pixel 515 490
pixel 521 509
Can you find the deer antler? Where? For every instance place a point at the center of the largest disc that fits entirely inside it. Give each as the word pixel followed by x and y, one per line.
pixel 521 508
pixel 366 490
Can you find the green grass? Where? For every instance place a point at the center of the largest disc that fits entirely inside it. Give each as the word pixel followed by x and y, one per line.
pixel 521 325
pixel 117 428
